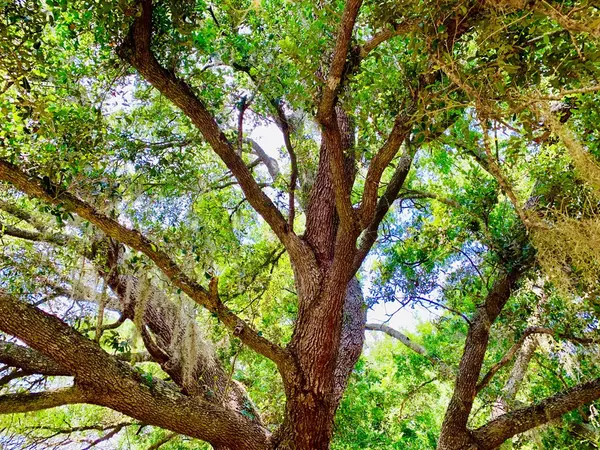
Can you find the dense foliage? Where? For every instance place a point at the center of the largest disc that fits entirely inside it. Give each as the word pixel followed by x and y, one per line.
pixel 160 197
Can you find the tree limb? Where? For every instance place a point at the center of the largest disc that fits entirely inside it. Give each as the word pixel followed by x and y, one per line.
pixel 504 427
pixel 30 361
pixel 105 381
pixel 136 49
pixel 446 369
pixel 35 236
pixel 387 34
pixel 380 161
pixel 338 61
pixel 32 186
pixel 454 427
pixel 28 402
pixel 384 203
pixel 327 116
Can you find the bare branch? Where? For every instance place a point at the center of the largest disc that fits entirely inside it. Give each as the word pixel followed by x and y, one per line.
pixel 116 430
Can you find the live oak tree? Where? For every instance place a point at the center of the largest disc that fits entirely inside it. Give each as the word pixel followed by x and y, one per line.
pixel 160 258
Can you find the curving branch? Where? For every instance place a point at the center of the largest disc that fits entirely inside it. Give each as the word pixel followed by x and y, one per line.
pixel 385 35
pixel 33 186
pixel 384 204
pixel 491 435
pixel 381 160
pixel 454 433
pixel 446 370
pixel 136 49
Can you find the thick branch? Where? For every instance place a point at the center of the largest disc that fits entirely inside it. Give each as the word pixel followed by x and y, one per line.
pixel 338 62
pixel 32 186
pixel 491 435
pixel 35 236
pixel 454 428
pixel 26 402
pixel 136 50
pixel 327 117
pixel 383 205
pixel 29 360
pixel 380 161
pixel 111 383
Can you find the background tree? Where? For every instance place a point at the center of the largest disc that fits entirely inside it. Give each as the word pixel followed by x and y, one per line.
pixel 175 272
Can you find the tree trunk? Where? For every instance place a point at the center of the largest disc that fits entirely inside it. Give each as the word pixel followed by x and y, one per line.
pixel 314 394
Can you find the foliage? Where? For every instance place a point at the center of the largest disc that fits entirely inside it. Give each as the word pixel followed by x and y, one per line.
pixel 503 124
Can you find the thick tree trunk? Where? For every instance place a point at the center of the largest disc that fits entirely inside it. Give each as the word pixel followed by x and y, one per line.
pixel 314 395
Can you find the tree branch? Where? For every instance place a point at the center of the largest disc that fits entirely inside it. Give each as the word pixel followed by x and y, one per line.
pixel 380 161
pixel 35 236
pixel 454 427
pixel 105 381
pixel 19 213
pixel 491 435
pixel 327 117
pixel 136 50
pixel 383 205
pixel 27 402
pixel 33 186
pixel 29 360
pixel 326 108
pixel 517 345
pixel 387 34
pixel 445 369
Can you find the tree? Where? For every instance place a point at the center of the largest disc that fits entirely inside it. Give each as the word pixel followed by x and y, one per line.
pixel 468 107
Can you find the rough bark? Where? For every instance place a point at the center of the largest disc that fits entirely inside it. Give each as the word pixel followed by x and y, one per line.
pixel 106 381
pixel 454 433
pixel 29 361
pixel 26 402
